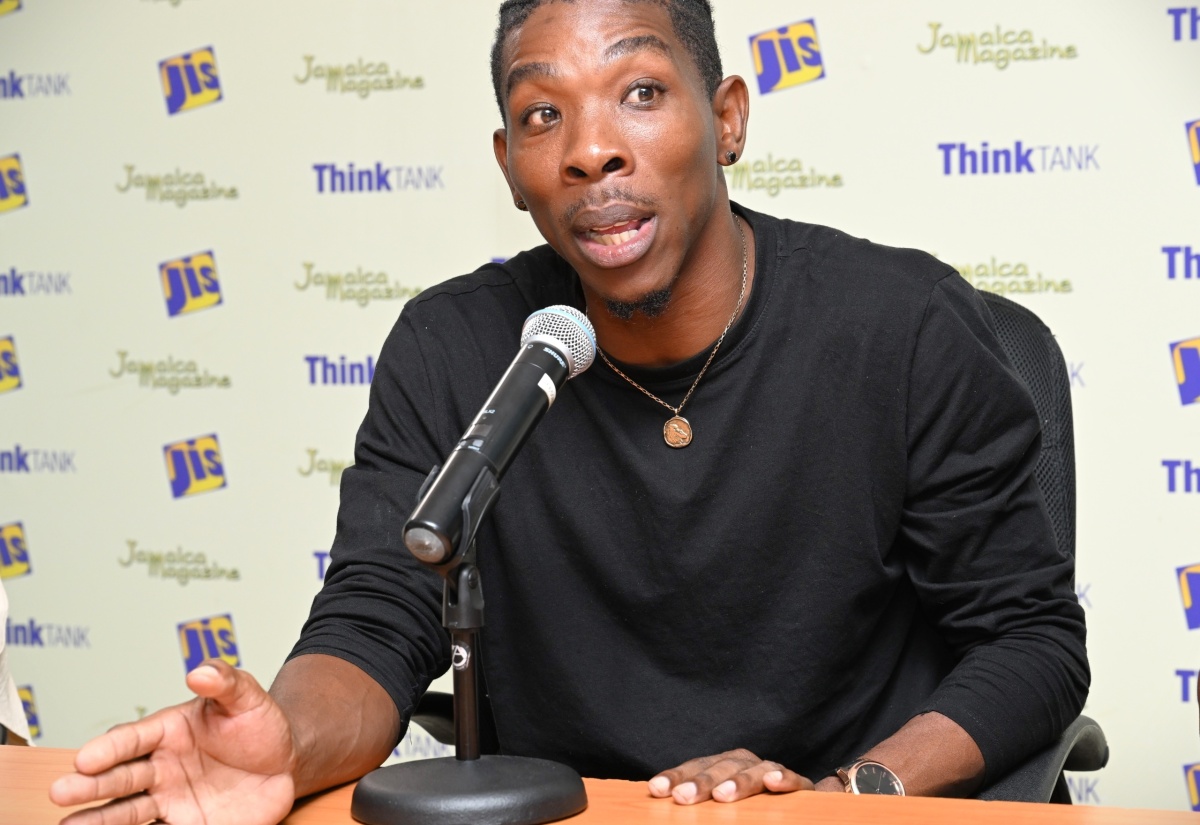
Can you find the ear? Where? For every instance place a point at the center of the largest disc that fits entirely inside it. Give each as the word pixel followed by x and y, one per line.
pixel 731 110
pixel 500 147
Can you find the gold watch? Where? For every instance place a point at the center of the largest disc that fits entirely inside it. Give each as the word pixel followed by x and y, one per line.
pixel 867 777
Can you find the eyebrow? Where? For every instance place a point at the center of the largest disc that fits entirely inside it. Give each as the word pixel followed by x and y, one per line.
pixel 526 72
pixel 642 42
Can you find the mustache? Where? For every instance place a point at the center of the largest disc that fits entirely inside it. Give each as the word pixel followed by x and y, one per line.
pixel 607 194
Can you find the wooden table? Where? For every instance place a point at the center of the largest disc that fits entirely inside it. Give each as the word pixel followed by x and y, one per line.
pixel 26 774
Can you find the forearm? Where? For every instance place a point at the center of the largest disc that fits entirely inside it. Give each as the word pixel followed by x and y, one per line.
pixel 932 755
pixel 343 723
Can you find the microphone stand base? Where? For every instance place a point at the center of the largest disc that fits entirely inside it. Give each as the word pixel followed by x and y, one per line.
pixel 490 790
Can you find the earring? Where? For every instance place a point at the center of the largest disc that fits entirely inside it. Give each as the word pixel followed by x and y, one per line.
pixel 520 204
pixel 731 157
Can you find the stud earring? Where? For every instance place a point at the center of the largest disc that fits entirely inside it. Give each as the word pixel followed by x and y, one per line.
pixel 731 157
pixel 520 204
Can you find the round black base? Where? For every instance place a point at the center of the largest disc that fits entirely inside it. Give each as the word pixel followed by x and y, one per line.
pixel 491 790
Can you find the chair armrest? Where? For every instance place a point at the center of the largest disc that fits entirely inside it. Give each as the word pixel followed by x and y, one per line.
pixel 1082 747
pixel 435 714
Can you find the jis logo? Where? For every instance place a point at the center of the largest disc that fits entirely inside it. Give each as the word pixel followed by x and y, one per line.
pixel 1193 132
pixel 194 466
pixel 12 183
pixel 1190 774
pixel 14 554
pixel 190 80
pixel 190 284
pixel 1189 591
pixel 10 368
pixel 7 6
pixel 787 56
pixel 209 638
pixel 1185 356
pixel 29 705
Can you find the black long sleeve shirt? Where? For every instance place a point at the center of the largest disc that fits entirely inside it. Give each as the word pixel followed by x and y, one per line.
pixel 853 537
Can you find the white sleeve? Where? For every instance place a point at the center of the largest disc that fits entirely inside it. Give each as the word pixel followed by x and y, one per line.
pixel 12 712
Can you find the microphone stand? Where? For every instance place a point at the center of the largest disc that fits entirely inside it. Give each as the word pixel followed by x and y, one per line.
pixel 468 787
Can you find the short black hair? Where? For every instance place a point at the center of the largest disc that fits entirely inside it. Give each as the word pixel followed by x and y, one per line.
pixel 691 19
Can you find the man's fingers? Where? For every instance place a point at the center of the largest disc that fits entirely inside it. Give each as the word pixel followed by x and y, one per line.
pixel 768 776
pixel 132 811
pixel 121 744
pixel 662 784
pixel 231 690
pixel 125 779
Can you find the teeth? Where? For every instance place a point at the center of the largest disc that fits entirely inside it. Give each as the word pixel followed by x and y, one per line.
pixel 614 239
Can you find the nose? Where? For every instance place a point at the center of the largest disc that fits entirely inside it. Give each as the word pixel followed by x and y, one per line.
pixel 595 148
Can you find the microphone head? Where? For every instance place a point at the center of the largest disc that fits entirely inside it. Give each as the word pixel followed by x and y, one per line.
pixel 568 330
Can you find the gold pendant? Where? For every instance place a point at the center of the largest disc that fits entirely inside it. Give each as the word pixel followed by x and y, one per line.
pixel 677 432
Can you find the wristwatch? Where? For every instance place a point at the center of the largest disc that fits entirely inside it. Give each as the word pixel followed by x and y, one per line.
pixel 867 777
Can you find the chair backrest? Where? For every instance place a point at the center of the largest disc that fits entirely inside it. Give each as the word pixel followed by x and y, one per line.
pixel 1039 362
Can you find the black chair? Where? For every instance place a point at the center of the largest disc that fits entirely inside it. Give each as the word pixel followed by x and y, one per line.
pixel 1039 362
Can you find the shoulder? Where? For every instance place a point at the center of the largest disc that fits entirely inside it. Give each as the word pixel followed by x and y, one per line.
pixel 841 260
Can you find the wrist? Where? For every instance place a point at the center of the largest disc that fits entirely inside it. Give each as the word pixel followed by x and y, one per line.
pixel 831 784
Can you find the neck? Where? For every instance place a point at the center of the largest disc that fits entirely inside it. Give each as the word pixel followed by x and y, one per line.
pixel 703 298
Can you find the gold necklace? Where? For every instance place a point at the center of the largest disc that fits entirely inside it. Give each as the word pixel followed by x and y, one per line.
pixel 677 432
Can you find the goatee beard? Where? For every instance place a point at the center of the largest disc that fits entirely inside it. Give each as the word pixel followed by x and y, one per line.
pixel 652 304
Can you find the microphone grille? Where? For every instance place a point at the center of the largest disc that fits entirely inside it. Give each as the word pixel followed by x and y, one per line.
pixel 568 327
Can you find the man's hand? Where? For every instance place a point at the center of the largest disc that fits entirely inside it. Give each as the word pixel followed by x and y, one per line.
pixel 726 777
pixel 224 758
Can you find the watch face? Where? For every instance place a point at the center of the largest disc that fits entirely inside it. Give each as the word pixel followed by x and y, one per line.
pixel 873 778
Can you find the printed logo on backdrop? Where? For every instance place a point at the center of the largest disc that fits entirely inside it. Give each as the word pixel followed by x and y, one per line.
pixel 362 77
pixel 1191 776
pixel 190 283
pixel 1018 158
pixel 32 633
pixel 1189 593
pixel 999 47
pixel 13 193
pixel 15 86
pixel 358 286
pixel 14 551
pixel 1009 278
pixel 787 56
pixel 29 705
pixel 774 175
pixel 1084 790
pixel 194 466
pixel 322 557
pixel 1185 357
pixel 168 374
pixel 23 460
pixel 1182 476
pixel 190 80
pixel 212 637
pixel 1182 263
pixel 1193 132
pixel 325 370
pixel 1178 16
pixel 348 178
pixel 10 366
pixel 177 187
pixel 9 6
pixel 180 565
pixel 16 284
pixel 318 466
pixel 1186 677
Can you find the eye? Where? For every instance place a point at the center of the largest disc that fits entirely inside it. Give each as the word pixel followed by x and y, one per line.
pixel 644 92
pixel 540 115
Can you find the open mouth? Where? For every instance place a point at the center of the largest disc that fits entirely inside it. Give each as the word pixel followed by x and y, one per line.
pixel 616 234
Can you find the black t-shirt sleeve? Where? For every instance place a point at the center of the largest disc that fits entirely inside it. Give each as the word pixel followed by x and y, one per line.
pixel 379 608
pixel 979 545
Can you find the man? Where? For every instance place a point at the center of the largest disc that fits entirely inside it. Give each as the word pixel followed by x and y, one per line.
pixel 786 522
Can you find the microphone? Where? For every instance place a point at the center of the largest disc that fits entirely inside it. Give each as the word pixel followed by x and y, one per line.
pixel 557 343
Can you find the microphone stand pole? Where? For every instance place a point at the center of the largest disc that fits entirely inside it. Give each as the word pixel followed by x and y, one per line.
pixel 469 787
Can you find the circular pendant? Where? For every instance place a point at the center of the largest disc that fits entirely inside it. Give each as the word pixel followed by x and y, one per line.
pixel 677 432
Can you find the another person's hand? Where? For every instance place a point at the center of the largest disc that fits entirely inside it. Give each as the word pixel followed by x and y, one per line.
pixel 223 758
pixel 726 777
